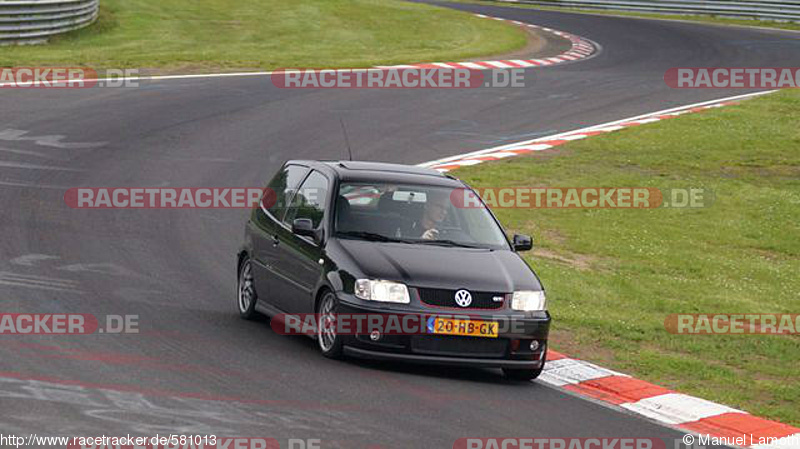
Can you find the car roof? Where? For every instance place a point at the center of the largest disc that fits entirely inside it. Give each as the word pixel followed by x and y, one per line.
pixel 362 171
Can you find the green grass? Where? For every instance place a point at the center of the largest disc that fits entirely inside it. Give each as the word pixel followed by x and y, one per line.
pixel 614 275
pixel 692 18
pixel 268 34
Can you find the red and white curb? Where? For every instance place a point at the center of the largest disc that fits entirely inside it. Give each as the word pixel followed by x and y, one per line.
pixel 548 142
pixel 581 49
pixel 687 413
pixel 690 414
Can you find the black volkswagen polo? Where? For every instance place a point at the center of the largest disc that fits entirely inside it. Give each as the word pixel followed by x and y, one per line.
pixel 332 238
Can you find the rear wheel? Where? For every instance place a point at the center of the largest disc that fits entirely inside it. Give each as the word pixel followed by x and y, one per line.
pixel 521 374
pixel 246 296
pixel 329 341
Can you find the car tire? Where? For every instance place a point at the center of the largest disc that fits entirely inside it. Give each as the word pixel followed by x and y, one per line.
pixel 246 296
pixel 328 340
pixel 521 374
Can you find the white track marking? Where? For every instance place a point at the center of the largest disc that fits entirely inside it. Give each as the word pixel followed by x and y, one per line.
pixel 38 282
pixel 503 154
pixel 100 268
pixel 25 153
pixel 8 275
pixel 676 408
pixel 610 126
pixel 498 64
pixel 29 260
pixel 53 141
pixel 33 186
pixel 521 62
pixel 472 65
pixel 34 166
pixel 570 371
pixel 166 77
pixel 574 137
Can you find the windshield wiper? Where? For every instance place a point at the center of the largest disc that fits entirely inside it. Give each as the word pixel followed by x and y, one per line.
pixel 372 236
pixel 449 243
pixel 368 236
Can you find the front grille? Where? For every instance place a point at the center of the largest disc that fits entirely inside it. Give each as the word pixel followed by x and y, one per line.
pixel 447 298
pixel 448 345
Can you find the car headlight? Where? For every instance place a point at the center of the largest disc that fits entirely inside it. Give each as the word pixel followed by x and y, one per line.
pixel 383 291
pixel 529 301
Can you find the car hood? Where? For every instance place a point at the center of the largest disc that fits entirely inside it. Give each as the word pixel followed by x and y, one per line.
pixel 442 267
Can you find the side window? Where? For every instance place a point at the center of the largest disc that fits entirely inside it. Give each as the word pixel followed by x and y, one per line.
pixel 281 189
pixel 309 202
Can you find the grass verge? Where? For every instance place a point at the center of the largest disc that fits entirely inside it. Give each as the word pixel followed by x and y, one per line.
pixel 692 18
pixel 268 34
pixel 614 275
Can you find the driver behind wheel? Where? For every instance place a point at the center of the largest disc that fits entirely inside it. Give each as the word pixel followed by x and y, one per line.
pixel 433 215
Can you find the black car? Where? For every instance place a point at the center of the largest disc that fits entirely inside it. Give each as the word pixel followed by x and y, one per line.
pixel 346 237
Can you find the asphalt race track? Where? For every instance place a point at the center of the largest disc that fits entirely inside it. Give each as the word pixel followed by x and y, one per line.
pixel 195 367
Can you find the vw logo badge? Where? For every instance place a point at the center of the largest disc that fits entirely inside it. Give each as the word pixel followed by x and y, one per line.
pixel 463 298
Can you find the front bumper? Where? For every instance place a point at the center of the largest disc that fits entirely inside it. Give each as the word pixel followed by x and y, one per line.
pixel 443 360
pixel 511 349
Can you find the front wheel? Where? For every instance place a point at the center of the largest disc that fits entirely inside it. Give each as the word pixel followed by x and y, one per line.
pixel 330 342
pixel 522 374
pixel 246 296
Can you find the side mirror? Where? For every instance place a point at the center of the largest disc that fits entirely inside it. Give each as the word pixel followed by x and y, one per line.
pixel 522 242
pixel 304 227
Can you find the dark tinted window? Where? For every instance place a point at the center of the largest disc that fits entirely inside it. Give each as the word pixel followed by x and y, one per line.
pixel 416 214
pixel 309 202
pixel 284 185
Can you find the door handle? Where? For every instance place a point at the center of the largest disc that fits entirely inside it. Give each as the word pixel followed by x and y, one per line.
pixel 275 240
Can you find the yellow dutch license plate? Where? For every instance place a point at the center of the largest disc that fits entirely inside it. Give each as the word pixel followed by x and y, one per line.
pixel 470 328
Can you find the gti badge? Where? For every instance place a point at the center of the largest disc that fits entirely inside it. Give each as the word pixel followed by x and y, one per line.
pixel 463 298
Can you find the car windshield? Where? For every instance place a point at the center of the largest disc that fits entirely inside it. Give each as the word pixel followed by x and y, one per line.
pixel 417 214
